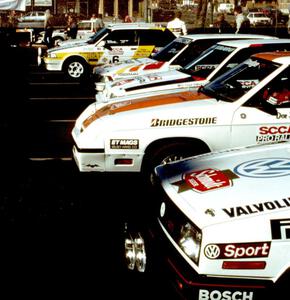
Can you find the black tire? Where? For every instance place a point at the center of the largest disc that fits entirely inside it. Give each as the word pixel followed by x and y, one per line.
pixel 76 68
pixel 165 154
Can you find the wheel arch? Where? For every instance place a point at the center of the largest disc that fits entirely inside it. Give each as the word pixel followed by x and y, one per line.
pixel 72 57
pixel 192 142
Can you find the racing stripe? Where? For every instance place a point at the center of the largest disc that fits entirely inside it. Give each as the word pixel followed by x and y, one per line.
pixel 125 69
pixel 118 107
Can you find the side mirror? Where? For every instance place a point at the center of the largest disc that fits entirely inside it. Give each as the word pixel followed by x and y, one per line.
pixel 270 108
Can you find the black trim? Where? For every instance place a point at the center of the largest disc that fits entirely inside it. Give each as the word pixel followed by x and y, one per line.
pixel 84 150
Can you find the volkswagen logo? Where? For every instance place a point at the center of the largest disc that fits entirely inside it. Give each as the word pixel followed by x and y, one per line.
pixel 264 168
pixel 212 251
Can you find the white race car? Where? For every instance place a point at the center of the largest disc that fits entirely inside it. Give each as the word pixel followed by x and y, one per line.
pixel 219 225
pixel 114 43
pixel 177 54
pixel 209 65
pixel 236 109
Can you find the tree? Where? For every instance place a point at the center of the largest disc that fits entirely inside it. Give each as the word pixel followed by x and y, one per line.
pixel 201 14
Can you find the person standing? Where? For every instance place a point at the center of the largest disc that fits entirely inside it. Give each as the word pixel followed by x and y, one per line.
pixel 48 28
pixel 177 26
pixel 241 20
pixel 222 24
pixel 72 29
pixel 12 19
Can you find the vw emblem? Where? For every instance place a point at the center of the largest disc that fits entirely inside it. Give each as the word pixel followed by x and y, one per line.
pixel 212 251
pixel 264 168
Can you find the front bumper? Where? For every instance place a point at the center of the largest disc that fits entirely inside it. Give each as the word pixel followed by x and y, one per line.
pixel 96 160
pixel 89 161
pixel 52 64
pixel 186 283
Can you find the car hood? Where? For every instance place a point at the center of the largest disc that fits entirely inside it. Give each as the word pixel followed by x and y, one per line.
pixel 71 43
pixel 123 67
pixel 157 103
pixel 230 185
pixel 148 80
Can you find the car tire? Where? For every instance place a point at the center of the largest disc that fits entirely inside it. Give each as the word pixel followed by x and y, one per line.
pixel 168 153
pixel 75 68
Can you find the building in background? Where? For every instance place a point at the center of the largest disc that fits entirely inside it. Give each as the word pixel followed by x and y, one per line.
pixel 84 8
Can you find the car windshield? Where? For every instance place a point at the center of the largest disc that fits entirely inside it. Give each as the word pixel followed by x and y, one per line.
pixel 208 61
pixel 171 49
pixel 238 81
pixel 94 38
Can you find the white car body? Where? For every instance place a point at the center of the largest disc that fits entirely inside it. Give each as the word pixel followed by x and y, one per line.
pixel 233 207
pixel 209 65
pixel 86 28
pixel 114 43
pixel 226 8
pixel 258 18
pixel 33 16
pixel 175 55
pixel 130 135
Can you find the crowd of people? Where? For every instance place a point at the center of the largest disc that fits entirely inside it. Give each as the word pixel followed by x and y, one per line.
pixel 177 25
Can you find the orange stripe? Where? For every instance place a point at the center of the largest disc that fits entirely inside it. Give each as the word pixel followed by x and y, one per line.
pixel 128 105
pixel 272 55
pixel 136 68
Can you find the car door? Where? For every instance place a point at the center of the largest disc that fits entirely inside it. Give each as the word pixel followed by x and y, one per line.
pixel 119 46
pixel 262 119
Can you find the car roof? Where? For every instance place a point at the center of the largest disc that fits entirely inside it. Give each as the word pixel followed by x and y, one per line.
pixel 282 57
pixel 135 25
pixel 246 43
pixel 227 35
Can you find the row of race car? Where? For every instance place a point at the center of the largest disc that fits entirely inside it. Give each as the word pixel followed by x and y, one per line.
pixel 214 144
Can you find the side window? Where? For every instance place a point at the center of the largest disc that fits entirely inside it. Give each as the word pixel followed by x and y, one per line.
pixel 247 52
pixel 122 38
pixel 236 59
pixel 193 50
pixel 157 37
pixel 276 94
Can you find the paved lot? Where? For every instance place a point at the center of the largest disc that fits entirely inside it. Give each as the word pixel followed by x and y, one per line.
pixel 60 230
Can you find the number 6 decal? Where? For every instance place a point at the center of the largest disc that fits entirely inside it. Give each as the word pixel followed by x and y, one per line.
pixel 115 59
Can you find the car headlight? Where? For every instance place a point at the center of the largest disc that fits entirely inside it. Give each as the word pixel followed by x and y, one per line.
pixel 100 86
pixel 190 241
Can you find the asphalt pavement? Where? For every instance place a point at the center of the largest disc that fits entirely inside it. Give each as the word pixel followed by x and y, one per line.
pixel 61 231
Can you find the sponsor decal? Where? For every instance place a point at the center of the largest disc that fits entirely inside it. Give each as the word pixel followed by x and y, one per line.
pixel 281 116
pixel 122 82
pixel 154 77
pixel 224 48
pixel 204 294
pixel 205 180
pixel 280 229
pixel 248 83
pixel 264 168
pixel 117 51
pixel 205 67
pixel 237 250
pixel 238 211
pixel 183 122
pixel 124 144
pixel 273 133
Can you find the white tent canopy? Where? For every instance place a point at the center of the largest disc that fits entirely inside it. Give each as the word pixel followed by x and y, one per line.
pixel 13 5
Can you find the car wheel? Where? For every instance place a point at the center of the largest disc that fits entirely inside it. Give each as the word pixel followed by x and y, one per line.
pixel 76 68
pixel 166 154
